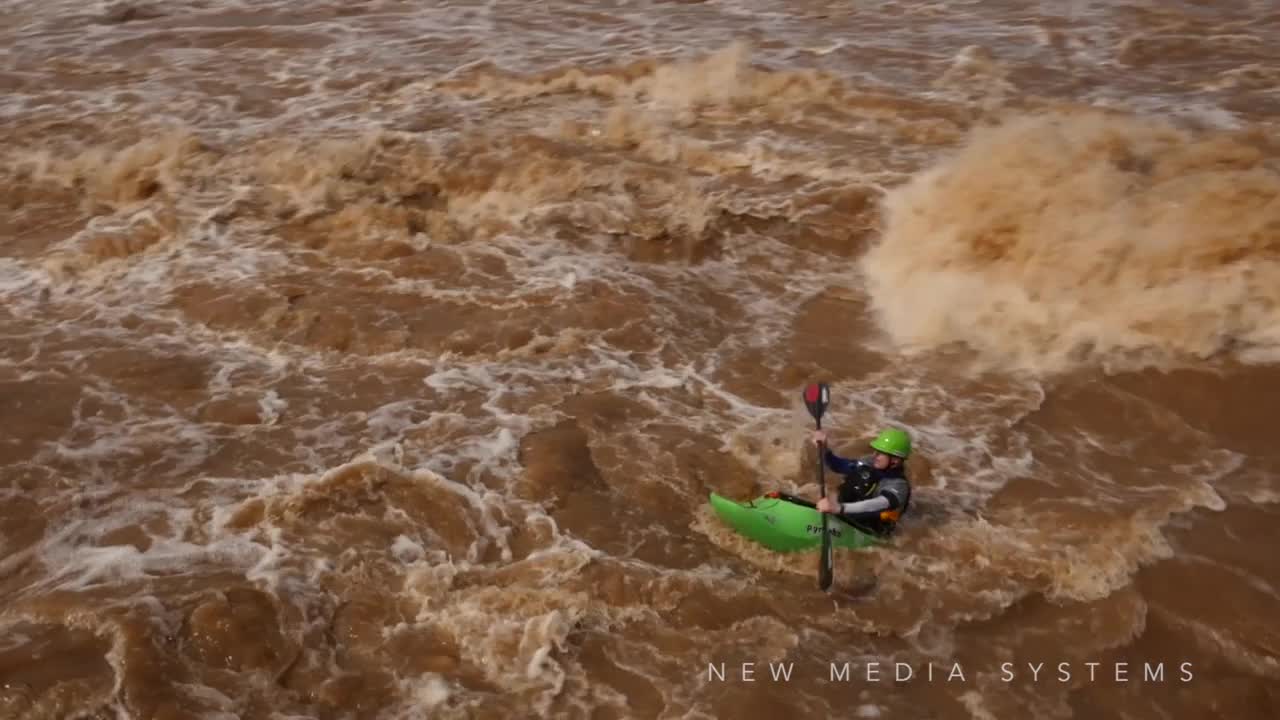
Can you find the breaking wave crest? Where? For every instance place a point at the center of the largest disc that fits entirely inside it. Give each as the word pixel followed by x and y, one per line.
pixel 1055 241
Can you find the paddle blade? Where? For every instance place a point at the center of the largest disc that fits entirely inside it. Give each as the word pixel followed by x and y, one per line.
pixel 816 397
pixel 825 560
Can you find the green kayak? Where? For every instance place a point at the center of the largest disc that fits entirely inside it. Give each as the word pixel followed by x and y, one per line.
pixel 786 523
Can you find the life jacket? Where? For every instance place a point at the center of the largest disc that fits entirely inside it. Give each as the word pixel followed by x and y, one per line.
pixel 865 483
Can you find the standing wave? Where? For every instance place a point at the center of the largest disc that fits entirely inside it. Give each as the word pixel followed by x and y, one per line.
pixel 1055 241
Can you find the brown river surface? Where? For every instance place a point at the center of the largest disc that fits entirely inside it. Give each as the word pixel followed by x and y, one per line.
pixel 374 359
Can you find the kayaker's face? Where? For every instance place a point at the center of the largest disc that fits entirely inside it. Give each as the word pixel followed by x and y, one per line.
pixel 882 461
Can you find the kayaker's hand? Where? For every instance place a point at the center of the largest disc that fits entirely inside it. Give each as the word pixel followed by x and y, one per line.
pixel 819 436
pixel 826 505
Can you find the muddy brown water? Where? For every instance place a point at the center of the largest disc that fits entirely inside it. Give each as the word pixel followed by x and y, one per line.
pixel 375 360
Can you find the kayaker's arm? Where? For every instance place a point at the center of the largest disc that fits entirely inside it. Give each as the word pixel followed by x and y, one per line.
pixel 875 504
pixel 840 465
pixel 893 496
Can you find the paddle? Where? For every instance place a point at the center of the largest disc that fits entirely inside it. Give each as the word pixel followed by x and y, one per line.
pixel 816 398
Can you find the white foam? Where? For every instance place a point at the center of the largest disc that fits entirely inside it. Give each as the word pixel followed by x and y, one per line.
pixel 77 566
pixel 429 690
pixel 406 550
pixel 271 561
pixel 270 406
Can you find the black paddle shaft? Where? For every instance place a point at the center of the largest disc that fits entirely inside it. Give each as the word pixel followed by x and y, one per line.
pixel 816 397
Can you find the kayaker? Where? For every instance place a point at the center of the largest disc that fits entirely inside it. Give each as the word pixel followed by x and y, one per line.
pixel 875 491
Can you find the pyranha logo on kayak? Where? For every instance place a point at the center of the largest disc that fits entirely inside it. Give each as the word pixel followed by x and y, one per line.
pixel 771 519
pixel 817 530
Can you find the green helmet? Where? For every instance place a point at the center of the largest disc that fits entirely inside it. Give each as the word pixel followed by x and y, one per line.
pixel 892 441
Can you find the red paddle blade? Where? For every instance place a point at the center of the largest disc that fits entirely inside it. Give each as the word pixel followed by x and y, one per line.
pixel 816 398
